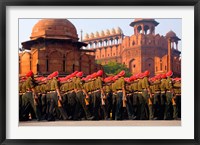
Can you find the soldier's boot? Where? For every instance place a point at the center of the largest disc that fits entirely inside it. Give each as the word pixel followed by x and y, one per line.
pixel 151 116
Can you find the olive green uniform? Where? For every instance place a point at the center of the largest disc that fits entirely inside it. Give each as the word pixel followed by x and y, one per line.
pixel 129 107
pixel 169 97
pixel 142 97
pixel 97 98
pixel 78 86
pixel 42 90
pixel 120 84
pixel 156 100
pixel 135 103
pixel 30 99
pixel 177 92
pixel 54 102
pixel 108 93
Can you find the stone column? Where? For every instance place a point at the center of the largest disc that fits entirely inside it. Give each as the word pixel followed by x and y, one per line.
pixel 169 55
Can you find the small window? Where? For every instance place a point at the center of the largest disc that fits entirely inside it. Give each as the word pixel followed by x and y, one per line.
pixel 156 68
pixel 134 66
pixel 149 64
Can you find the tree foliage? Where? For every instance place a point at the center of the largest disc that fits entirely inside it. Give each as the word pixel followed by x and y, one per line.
pixel 113 68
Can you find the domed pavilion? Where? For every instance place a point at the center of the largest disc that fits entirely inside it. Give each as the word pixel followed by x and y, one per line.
pixel 54 46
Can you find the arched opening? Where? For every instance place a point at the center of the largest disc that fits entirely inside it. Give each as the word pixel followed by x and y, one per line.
pixel 132 66
pixel 139 29
pixel 146 29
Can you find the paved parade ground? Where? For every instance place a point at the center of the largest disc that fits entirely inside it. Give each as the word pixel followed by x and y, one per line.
pixel 104 123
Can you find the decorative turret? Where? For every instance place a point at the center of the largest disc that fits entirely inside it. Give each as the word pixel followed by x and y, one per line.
pixel 144 26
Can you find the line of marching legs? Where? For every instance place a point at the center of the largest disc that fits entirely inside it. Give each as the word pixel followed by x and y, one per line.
pixel 74 106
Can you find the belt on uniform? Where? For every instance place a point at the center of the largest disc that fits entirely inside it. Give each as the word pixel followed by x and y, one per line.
pixel 90 93
pixel 169 91
pixel 52 91
pixel 78 91
pixel 96 91
pixel 129 94
pixel 119 91
pixel 144 89
pixel 157 91
pixel 139 92
pixel 162 91
pixel 28 91
pixel 114 93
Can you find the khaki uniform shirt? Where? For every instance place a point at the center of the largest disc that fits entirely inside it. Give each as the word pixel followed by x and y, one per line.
pixel 78 84
pixel 140 85
pixel 54 84
pixel 145 83
pixel 30 83
pixel 168 84
pixel 163 85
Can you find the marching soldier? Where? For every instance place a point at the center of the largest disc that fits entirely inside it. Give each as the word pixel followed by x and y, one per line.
pixel 81 94
pixel 114 96
pixel 177 99
pixel 129 108
pixel 163 96
pixel 121 95
pixel 55 99
pixel 170 97
pixel 156 97
pixel 108 93
pixel 99 97
pixel 30 97
pixel 22 91
pixel 146 93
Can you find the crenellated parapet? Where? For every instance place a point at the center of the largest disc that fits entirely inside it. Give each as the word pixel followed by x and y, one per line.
pixel 104 38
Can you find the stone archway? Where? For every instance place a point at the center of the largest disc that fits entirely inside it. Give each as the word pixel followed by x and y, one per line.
pixel 132 66
pixel 150 65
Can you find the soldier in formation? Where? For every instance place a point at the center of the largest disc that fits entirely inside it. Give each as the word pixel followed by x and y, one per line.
pixel 93 97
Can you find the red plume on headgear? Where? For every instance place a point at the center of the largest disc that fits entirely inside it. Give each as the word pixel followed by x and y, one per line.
pixel 94 75
pixel 127 80
pixel 55 74
pixel 163 76
pixel 169 73
pixel 29 74
pixel 115 78
pixel 122 73
pixel 132 78
pixel 141 75
pixel 146 73
pixel 79 74
pixel 99 73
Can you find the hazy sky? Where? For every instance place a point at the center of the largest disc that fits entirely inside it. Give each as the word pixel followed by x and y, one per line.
pixel 93 25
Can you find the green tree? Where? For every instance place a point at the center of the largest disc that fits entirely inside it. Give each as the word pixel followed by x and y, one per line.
pixel 113 68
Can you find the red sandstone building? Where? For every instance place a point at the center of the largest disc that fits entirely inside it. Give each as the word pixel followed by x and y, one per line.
pixel 144 50
pixel 54 46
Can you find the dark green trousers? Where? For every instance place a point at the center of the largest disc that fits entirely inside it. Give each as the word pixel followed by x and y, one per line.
pixel 28 100
pixel 81 103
